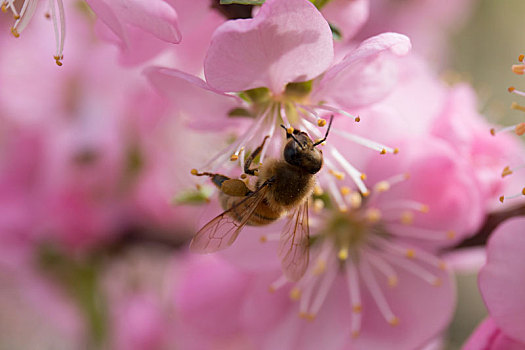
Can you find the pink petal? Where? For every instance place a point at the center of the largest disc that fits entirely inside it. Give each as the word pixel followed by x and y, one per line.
pixel 424 312
pixel 287 41
pixel 501 281
pixel 153 16
pixel 208 298
pixel 488 336
pixel 188 92
pixel 366 75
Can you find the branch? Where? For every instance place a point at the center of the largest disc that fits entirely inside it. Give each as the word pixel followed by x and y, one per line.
pixel 492 221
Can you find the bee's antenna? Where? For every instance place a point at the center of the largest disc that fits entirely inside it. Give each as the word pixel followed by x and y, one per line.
pixel 291 135
pixel 327 131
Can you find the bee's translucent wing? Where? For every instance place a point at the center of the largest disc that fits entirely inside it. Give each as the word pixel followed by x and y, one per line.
pixel 222 231
pixel 294 244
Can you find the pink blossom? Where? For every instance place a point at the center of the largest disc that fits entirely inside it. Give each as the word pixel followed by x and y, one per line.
pixel 24 14
pixel 439 179
pixel 519 129
pixel 501 290
pixel 234 63
pixel 461 125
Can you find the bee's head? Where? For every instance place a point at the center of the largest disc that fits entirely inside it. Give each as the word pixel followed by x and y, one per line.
pixel 300 151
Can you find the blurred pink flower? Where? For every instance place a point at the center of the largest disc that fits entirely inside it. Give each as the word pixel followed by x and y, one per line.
pixel 25 12
pixel 137 287
pixel 77 159
pixel 36 313
pixel 142 27
pixel 466 131
pixel 515 165
pixel 502 291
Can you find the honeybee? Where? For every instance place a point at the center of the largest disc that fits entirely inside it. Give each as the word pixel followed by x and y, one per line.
pixel 283 186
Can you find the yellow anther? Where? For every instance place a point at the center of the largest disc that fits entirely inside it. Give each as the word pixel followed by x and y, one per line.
pixel 338 175
pixel 310 317
pixel 318 205
pixel 244 176
pixel 394 321
pixel 437 282
pixel 234 157
pixel 383 151
pixel 406 176
pixel 263 239
pixel 442 265
pixel 318 190
pixel 506 171
pixel 511 89
pixel 365 194
pixel 15 32
pixel 520 129
pixel 343 254
pixel 290 130
pixel 355 334
pixel 396 150
pixel 4 7
pixel 321 122
pixel 357 308
pixel 523 191
pixel 518 69
pixel 303 314
pixel 410 253
pixel 343 208
pixel 392 281
pixel 295 294
pixel 194 172
pixel 345 190
pixel 501 199
pixel 373 215
pixel 357 119
pixel 517 107
pixel 355 200
pixel 320 267
pixel 493 131
pixel 57 60
pixel 362 176
pixel 424 208
pixel 271 289
pixel 451 234
pixel 382 186
pixel 407 218
pixel 521 57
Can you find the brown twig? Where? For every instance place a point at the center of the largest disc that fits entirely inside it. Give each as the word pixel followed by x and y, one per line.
pixel 492 221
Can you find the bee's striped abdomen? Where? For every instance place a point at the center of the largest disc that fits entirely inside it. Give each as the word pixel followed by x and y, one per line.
pixel 263 215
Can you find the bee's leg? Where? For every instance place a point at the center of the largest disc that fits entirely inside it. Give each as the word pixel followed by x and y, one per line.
pixel 252 156
pixel 232 187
